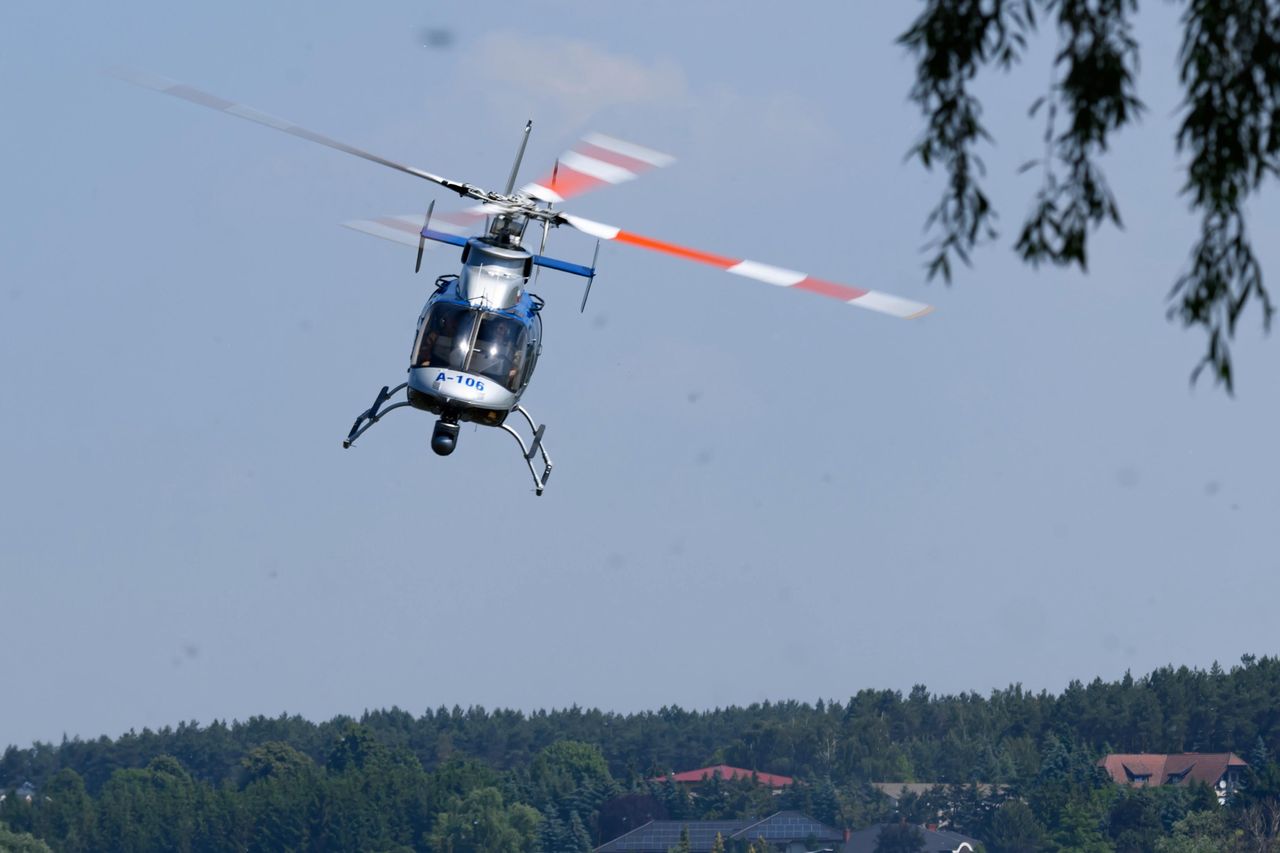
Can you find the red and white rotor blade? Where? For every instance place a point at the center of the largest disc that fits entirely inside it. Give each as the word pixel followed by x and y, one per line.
pixel 872 300
pixel 595 161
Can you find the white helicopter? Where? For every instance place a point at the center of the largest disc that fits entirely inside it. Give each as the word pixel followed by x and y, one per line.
pixel 479 335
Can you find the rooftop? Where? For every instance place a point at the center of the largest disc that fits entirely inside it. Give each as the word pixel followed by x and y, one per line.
pixel 659 836
pixel 724 771
pixel 935 841
pixel 1178 768
pixel 897 790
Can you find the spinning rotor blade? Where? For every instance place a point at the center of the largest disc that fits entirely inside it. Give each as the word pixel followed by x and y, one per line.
pixel 595 161
pixel 406 229
pixel 874 300
pixel 213 102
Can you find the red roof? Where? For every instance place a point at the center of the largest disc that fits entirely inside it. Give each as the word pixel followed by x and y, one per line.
pixel 1146 768
pixel 724 771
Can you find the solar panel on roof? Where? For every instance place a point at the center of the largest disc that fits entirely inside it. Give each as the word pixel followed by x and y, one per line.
pixel 660 835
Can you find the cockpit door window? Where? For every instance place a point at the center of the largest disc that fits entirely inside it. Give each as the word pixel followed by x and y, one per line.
pixel 498 352
pixel 474 341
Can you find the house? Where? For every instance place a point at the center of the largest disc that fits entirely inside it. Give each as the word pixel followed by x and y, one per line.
pixel 25 791
pixel 788 832
pixel 725 772
pixel 895 791
pixel 1223 771
pixel 935 841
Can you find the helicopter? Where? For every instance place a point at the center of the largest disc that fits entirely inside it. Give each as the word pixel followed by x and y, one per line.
pixel 479 335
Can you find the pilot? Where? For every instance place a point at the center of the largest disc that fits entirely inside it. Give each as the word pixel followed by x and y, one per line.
pixel 497 356
pixel 442 326
pixel 516 356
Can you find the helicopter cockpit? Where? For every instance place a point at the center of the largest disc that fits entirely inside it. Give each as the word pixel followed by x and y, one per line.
pixel 497 345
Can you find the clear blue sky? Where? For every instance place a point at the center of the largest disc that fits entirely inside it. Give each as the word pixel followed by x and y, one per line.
pixel 758 493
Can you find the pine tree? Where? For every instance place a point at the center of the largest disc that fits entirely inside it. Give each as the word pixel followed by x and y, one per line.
pixel 1259 756
pixel 579 838
pixel 1014 829
pixel 901 837
pixel 553 835
pixel 826 804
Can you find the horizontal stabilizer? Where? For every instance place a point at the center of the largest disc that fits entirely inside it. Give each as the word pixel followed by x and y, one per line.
pixel 540 260
pixel 441 237
pixel 563 266
pixel 403 229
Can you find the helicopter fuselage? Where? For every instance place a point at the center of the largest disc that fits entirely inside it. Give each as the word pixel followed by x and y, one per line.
pixel 476 345
pixel 478 338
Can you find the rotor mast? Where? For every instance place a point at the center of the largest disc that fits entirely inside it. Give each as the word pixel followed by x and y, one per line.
pixel 508 226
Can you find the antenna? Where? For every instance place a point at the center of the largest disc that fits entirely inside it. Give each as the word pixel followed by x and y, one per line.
pixel 515 167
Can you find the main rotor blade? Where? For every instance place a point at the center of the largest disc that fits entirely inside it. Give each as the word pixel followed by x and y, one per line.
pixel 213 102
pixel 873 300
pixel 407 228
pixel 594 161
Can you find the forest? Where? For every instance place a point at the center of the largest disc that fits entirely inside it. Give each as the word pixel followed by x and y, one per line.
pixel 458 779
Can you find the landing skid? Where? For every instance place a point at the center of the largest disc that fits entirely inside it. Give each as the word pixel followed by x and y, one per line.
pixel 534 448
pixel 375 412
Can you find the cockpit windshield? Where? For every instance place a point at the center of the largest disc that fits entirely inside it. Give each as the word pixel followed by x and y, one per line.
pixel 472 340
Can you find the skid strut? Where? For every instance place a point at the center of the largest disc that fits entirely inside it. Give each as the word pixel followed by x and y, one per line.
pixel 534 448
pixel 531 450
pixel 374 413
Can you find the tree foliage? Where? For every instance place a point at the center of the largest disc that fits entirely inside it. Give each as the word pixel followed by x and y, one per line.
pixel 683 845
pixel 901 837
pixel 455 779
pixel 1230 131
pixel 480 823
pixel 1014 829
pixel 21 842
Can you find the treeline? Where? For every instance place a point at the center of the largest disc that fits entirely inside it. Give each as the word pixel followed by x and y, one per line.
pixel 455 779
pixel 875 735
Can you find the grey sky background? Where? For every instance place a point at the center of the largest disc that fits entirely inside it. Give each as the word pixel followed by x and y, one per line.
pixel 758 494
